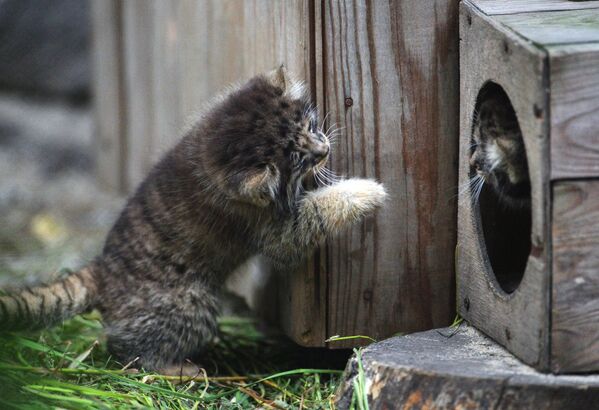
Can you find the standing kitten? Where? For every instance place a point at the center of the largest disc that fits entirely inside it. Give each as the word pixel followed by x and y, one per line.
pixel 230 190
pixel 498 157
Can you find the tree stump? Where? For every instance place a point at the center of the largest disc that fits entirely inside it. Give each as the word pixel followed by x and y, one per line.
pixel 459 369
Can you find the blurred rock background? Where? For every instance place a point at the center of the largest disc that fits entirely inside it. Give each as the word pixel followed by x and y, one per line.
pixel 52 213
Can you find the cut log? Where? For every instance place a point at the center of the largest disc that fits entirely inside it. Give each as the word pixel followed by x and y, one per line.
pixel 458 368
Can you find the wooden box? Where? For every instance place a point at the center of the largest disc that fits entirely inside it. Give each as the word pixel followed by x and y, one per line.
pixel 545 56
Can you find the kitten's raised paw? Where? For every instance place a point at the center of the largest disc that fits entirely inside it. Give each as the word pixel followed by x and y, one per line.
pixel 367 193
pixel 347 201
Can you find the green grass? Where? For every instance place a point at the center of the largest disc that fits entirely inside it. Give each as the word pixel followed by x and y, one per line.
pixel 68 367
pixel 359 399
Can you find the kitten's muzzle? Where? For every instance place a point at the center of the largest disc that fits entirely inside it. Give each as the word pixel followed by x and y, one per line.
pixel 320 152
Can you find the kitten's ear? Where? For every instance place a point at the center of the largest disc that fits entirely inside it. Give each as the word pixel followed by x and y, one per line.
pixel 279 78
pixel 259 187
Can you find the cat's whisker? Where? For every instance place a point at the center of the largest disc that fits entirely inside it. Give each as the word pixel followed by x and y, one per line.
pixel 320 181
pixel 330 174
pixel 478 190
pixel 469 183
pixel 333 135
pixel 333 128
pixel 332 178
pixel 327 176
pixel 324 120
pixel 466 187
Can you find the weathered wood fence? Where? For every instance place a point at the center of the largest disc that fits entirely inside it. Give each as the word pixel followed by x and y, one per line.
pixel 387 71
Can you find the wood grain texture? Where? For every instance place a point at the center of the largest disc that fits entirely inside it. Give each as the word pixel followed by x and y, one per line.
pixel 391 81
pixel 167 117
pixel 137 47
pixel 519 321
pixel 574 111
pixel 108 99
pixel 555 27
pixel 575 306
pixel 494 7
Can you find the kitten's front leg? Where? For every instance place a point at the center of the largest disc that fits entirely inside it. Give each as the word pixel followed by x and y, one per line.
pixel 323 213
pixel 327 210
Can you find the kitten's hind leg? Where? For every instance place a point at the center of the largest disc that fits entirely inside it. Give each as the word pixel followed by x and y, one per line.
pixel 165 335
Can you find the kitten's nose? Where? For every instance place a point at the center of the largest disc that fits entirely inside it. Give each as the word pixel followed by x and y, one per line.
pixel 320 151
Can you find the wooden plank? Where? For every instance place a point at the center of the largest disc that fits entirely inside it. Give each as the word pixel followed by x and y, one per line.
pixel 520 320
pixel 391 81
pixel 304 319
pixel 555 27
pixel 275 33
pixel 494 7
pixel 211 51
pixel 575 307
pixel 167 119
pixel 137 36
pixel 108 99
pixel 574 111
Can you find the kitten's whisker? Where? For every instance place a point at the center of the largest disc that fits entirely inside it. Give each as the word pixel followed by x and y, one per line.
pixel 326 176
pixel 333 128
pixel 329 173
pixel 333 134
pixel 467 186
pixel 320 180
pixel 479 188
pixel 324 120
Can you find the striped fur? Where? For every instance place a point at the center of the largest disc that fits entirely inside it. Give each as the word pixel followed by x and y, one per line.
pixel 43 306
pixel 229 191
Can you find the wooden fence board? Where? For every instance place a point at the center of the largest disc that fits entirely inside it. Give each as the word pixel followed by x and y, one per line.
pixel 137 30
pixel 396 95
pixel 108 88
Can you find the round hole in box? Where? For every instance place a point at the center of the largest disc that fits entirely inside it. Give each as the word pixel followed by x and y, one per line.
pixel 502 204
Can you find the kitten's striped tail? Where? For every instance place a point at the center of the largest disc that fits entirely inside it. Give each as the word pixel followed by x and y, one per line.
pixel 43 306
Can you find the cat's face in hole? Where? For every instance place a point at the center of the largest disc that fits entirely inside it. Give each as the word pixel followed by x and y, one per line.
pixel 498 156
pixel 263 140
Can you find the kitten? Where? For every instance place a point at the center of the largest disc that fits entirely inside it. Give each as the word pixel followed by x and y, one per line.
pixel 229 190
pixel 498 157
